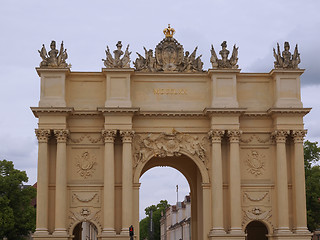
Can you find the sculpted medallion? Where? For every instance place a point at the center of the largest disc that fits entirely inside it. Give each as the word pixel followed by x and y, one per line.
pixel 255 163
pixel 86 164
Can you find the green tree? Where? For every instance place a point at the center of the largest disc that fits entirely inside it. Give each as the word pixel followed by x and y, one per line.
pixel 17 216
pixel 156 216
pixel 312 170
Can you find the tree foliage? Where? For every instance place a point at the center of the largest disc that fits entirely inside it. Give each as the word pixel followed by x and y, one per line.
pixel 17 216
pixel 312 170
pixel 156 216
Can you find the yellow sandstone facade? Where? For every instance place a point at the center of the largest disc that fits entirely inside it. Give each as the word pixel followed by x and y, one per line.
pixel 237 138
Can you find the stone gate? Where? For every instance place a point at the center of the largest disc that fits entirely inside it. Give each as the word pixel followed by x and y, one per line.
pixel 237 138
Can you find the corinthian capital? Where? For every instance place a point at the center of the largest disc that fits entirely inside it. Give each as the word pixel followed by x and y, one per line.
pixel 280 135
pixel 298 135
pixel 215 135
pixel 109 135
pixel 42 134
pixel 234 135
pixel 127 136
pixel 61 135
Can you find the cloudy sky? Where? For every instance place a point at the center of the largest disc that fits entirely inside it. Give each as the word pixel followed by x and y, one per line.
pixel 86 27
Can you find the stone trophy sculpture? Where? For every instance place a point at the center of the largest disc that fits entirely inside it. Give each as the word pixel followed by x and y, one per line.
pixel 169 57
pixel 117 61
pixel 224 62
pixel 287 60
pixel 54 58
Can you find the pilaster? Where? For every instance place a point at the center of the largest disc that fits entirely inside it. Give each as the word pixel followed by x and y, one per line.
pixel 280 137
pixel 109 181
pixel 61 183
pixel 127 181
pixel 235 183
pixel 217 183
pixel 299 182
pixel 42 182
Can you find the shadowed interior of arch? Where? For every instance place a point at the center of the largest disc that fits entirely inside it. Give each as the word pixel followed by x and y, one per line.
pixel 256 230
pixel 84 231
pixel 187 167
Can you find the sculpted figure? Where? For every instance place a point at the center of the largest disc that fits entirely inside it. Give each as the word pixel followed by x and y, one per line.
pixel 117 61
pixel 287 60
pixel 224 62
pixel 54 58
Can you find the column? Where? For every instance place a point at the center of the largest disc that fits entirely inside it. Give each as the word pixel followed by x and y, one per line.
pixel 108 189
pixel 282 181
pixel 216 182
pixel 42 182
pixel 299 183
pixel 127 192
pixel 235 182
pixel 61 182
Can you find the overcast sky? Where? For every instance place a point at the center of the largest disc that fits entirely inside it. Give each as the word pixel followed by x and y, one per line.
pixel 86 27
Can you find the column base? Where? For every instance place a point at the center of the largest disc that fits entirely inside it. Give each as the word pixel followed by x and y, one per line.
pixel 301 230
pixel 108 232
pixel 60 232
pixel 124 232
pixel 291 236
pixel 217 231
pixel 115 237
pixel 41 232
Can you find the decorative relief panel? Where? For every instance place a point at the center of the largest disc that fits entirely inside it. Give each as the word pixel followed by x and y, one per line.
pixel 86 138
pixel 84 214
pixel 86 164
pixel 255 163
pixel 255 139
pixel 169 144
pixel 256 205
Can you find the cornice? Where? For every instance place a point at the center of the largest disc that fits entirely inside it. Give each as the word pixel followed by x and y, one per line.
pixel 118 110
pixel 224 111
pixel 291 111
pixel 224 71
pixel 286 71
pixel 118 70
pixel 62 111
pixel 255 114
pixel 85 113
pixel 180 74
pixel 52 70
pixel 171 114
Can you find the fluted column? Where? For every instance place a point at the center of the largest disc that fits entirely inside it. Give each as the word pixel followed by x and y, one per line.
pixel 42 182
pixel 217 183
pixel 108 190
pixel 61 182
pixel 127 191
pixel 299 183
pixel 235 182
pixel 280 137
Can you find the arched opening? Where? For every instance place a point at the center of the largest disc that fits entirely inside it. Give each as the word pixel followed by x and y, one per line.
pixel 85 231
pixel 256 230
pixel 191 172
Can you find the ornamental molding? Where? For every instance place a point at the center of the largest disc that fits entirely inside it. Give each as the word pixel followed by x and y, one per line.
pixel 38 111
pixel 85 136
pixel 254 138
pixel 171 114
pixel 294 111
pixel 85 214
pixel 258 214
pixel 169 144
pixel 255 163
pixel 85 198
pixel 85 164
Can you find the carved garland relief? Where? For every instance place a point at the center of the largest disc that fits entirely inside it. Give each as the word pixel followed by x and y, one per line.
pixel 165 144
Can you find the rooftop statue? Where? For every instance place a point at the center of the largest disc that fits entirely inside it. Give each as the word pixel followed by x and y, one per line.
pixel 55 58
pixel 169 57
pixel 117 61
pixel 224 62
pixel 286 61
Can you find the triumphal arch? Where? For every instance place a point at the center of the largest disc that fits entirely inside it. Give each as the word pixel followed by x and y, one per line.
pixel 236 137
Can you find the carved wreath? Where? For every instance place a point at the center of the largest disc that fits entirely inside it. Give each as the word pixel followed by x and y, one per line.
pixel 164 144
pixel 86 164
